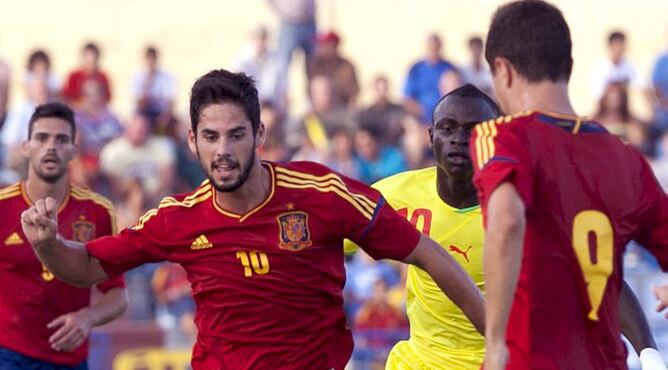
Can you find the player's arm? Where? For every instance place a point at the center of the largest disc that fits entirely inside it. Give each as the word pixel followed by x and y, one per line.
pixel 73 328
pixel 633 322
pixel 451 278
pixel 66 259
pixel 504 240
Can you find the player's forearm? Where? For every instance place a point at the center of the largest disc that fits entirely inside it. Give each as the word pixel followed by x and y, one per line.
pixel 70 262
pixel 502 258
pixel 451 278
pixel 633 321
pixel 109 307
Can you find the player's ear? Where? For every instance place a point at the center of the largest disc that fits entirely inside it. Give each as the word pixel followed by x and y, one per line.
pixel 192 141
pixel 260 136
pixel 431 137
pixel 504 70
pixel 25 149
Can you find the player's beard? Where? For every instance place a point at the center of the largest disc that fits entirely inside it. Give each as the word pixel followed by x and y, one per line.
pixel 51 177
pixel 244 172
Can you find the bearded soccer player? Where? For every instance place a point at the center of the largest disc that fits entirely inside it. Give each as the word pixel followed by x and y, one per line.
pixel 260 241
pixel 561 198
pixel 44 323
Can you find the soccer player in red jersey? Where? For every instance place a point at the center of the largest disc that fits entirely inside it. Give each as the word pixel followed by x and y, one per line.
pixel 561 198
pixel 44 323
pixel 260 242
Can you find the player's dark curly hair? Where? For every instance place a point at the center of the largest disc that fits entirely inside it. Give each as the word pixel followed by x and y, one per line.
pixel 53 110
pixel 221 86
pixel 534 37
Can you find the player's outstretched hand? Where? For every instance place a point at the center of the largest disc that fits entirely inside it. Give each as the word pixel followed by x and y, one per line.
pixel 661 293
pixel 73 330
pixel 40 222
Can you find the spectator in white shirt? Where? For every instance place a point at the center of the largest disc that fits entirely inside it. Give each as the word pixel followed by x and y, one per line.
pixel 476 71
pixel 616 68
pixel 154 91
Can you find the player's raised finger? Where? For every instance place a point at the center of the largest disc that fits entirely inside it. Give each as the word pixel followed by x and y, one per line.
pixel 51 207
pixel 40 206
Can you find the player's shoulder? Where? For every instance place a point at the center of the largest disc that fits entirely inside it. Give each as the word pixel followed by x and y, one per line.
pixel 189 199
pixel 401 180
pixel 11 192
pixel 85 195
pixel 301 168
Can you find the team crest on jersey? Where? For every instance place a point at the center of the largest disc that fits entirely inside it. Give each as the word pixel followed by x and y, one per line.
pixel 294 233
pixel 83 231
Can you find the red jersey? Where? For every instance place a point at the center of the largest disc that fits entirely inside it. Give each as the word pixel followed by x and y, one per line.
pixel 267 283
pixel 586 196
pixel 31 297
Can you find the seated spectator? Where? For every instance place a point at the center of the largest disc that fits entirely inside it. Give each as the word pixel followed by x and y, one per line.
pixel 39 64
pixel 449 80
pixel 476 72
pixel 327 61
pixel 362 272
pixel 137 155
pixel 342 156
pixel 189 170
pixel 154 91
pixel 376 161
pixel 89 68
pixel 267 68
pixel 96 126
pixel 421 91
pixel 616 68
pixel 614 111
pixel 5 76
pixel 274 147
pixel 384 115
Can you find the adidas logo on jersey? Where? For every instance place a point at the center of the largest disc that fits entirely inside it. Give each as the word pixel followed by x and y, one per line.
pixel 14 239
pixel 201 243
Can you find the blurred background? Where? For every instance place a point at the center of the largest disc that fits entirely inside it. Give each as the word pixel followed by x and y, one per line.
pixel 347 83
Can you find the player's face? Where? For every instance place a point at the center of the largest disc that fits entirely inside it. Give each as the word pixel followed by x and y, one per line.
pixel 49 148
pixel 225 145
pixel 455 118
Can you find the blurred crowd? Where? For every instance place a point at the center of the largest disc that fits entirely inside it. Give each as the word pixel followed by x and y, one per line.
pixel 135 158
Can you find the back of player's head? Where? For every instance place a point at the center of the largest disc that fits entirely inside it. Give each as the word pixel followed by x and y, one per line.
pixel 52 110
pixel 471 92
pixel 616 36
pixel 221 86
pixel 534 37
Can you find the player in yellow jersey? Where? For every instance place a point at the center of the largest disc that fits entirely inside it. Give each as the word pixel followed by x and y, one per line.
pixel 442 203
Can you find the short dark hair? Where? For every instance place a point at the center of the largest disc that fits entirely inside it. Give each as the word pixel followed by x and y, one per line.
pixel 152 52
pixel 616 36
pixel 92 47
pixel 470 91
pixel 534 37
pixel 475 40
pixel 221 86
pixel 53 110
pixel 38 55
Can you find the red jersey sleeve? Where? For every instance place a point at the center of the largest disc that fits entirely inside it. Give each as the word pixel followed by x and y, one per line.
pixel 653 205
pixel 108 227
pixel 373 225
pixel 500 155
pixel 132 247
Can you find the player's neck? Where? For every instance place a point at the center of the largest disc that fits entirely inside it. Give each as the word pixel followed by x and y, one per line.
pixel 457 193
pixel 36 188
pixel 546 96
pixel 253 192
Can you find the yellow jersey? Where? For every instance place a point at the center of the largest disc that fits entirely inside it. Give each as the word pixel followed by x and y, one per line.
pixel 441 337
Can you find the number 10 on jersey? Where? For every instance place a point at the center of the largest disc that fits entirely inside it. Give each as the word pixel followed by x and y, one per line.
pixel 253 262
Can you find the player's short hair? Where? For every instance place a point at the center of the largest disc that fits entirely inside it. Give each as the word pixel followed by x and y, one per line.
pixel 93 48
pixel 616 36
pixel 36 56
pixel 534 37
pixel 52 110
pixel 468 91
pixel 221 86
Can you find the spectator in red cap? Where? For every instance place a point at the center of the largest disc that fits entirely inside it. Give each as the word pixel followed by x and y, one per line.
pixel 329 63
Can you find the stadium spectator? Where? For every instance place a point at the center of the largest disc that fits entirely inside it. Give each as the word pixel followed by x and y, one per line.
pixel 39 64
pixel 139 155
pixel 89 68
pixel 297 26
pixel 476 72
pixel 267 68
pixel 5 76
pixel 97 127
pixel 383 115
pixel 154 91
pixel 361 273
pixel 660 84
pixel 616 68
pixel 614 111
pixel 274 147
pixel 174 304
pixel 449 81
pixel 376 160
pixel 328 61
pixel 421 90
pixel 342 155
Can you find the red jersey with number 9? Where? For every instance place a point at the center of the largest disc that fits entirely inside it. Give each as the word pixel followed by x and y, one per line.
pixel 587 195
pixel 268 283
